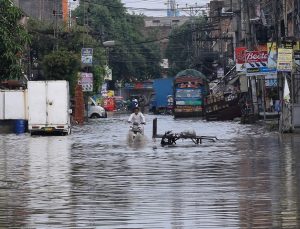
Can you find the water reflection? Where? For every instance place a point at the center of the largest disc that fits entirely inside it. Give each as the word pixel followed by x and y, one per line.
pixel 49 187
pixel 93 179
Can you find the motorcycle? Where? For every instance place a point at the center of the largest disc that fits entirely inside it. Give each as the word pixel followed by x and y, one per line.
pixel 136 133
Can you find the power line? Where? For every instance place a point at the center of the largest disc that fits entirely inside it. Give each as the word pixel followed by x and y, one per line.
pixel 142 8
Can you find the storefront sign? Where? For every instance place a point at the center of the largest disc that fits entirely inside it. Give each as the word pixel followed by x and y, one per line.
pixel 257 63
pixel 139 85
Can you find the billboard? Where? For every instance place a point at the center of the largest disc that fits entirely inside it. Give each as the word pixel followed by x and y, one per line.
pixel 257 63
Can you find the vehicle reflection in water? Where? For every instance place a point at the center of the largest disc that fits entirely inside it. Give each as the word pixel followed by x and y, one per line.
pixel 94 179
pixel 49 173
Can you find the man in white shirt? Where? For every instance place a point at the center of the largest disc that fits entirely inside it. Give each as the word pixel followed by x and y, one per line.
pixel 137 116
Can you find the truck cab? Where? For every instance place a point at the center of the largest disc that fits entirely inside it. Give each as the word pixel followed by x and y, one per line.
pixel 95 110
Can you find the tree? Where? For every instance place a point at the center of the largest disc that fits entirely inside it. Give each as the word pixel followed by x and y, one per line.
pixel 62 65
pixel 179 50
pixel 133 57
pixel 13 40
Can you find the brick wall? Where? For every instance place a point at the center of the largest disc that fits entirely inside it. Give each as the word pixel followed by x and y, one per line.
pixel 78 109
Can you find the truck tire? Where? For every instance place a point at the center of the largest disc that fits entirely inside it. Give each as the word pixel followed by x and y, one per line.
pixel 105 115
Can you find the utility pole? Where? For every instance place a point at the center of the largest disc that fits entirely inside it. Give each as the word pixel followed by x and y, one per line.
pixel 193 11
pixel 250 47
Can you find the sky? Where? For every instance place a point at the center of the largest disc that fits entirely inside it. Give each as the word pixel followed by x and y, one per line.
pixel 147 5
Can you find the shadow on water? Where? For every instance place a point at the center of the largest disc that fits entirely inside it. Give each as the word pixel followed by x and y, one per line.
pixel 95 179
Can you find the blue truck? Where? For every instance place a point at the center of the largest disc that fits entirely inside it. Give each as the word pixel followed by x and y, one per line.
pixel 162 97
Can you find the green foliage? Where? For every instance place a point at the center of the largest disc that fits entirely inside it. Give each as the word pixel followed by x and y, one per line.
pixel 179 50
pixel 98 72
pixel 98 21
pixel 133 58
pixel 13 40
pixel 62 65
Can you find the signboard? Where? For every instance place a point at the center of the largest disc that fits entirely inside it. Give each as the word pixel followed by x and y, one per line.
pixel 104 90
pixel 86 81
pixel 164 63
pixel 87 56
pixel 220 73
pixel 257 63
pixel 272 55
pixel 271 80
pixel 108 73
pixel 285 60
pixel 139 85
pixel 240 59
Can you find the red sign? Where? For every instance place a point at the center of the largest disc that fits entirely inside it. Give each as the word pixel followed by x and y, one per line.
pixel 256 56
pixel 240 55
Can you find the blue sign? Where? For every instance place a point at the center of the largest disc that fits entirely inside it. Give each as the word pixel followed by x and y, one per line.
pixel 87 56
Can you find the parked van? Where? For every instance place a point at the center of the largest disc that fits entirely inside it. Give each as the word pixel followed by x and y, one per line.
pixel 95 110
pixel 48 107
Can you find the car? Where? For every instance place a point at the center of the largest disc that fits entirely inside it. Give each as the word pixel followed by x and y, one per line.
pixel 95 110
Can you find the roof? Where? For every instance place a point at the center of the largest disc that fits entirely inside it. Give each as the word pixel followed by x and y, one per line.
pixel 191 72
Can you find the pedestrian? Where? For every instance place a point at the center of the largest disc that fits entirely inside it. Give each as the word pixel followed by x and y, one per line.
pixel 142 103
pixel 134 104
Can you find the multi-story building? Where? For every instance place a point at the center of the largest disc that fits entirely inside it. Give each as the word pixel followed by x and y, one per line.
pixel 47 10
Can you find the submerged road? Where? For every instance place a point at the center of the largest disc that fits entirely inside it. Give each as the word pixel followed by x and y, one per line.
pixel 250 178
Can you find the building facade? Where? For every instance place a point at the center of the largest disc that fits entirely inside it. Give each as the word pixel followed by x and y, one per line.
pixel 46 10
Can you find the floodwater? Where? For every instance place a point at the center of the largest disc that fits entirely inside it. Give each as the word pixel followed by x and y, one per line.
pixel 249 178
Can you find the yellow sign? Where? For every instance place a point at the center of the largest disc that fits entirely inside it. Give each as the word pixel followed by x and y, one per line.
pixel 110 93
pixel 285 60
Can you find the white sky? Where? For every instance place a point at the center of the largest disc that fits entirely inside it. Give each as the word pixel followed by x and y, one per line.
pixel 160 4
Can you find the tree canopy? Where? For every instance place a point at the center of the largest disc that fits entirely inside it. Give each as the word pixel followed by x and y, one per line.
pixel 133 57
pixel 13 40
pixel 180 48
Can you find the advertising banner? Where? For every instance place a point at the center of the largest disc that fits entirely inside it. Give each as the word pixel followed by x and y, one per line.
pixel 240 59
pixel 285 60
pixel 257 63
pixel 86 81
pixel 272 55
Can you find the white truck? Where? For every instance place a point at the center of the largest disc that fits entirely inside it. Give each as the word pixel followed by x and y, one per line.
pixel 13 104
pixel 49 107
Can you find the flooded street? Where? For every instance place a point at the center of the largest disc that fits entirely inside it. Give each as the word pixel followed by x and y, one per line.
pixel 250 178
